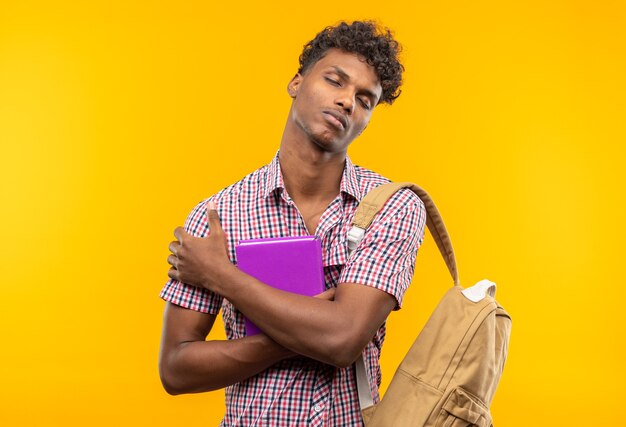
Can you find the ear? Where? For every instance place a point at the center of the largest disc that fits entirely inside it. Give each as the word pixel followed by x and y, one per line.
pixel 294 85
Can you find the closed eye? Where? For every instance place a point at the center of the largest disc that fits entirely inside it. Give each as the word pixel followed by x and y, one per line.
pixel 365 104
pixel 332 82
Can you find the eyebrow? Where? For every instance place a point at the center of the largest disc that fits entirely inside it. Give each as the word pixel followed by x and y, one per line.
pixel 345 76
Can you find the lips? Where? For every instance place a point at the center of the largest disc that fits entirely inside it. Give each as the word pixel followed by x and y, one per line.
pixel 336 118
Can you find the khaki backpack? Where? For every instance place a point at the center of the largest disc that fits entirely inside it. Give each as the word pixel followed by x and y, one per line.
pixel 450 374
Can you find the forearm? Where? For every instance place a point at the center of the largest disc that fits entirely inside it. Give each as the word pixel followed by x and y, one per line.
pixel 328 331
pixel 199 366
pixel 332 332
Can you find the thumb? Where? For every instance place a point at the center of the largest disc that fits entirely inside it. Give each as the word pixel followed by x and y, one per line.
pixel 212 217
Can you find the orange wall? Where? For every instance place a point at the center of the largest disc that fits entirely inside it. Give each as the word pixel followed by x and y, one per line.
pixel 117 117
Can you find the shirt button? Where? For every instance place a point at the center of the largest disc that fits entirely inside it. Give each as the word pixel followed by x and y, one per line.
pixel 319 407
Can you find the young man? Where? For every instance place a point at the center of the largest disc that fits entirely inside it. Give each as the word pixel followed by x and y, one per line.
pixel 300 371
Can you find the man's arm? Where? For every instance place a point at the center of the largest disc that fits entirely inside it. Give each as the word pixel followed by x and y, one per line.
pixel 333 332
pixel 189 364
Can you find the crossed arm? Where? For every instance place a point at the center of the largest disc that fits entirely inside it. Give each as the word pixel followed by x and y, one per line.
pixel 333 328
pixel 189 364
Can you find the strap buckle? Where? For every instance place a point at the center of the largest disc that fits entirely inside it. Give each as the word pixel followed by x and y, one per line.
pixel 355 235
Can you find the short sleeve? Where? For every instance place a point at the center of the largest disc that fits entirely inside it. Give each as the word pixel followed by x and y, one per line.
pixel 385 258
pixel 189 296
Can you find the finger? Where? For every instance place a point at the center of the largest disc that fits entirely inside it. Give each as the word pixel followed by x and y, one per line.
pixel 174 247
pixel 213 217
pixel 180 233
pixel 173 273
pixel 173 261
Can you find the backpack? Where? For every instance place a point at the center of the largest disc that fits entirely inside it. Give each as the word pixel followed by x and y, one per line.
pixel 450 374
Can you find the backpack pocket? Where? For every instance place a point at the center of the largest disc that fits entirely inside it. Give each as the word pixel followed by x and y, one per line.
pixel 462 409
pixel 408 402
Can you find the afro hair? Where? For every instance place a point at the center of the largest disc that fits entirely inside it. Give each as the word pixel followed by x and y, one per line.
pixel 364 38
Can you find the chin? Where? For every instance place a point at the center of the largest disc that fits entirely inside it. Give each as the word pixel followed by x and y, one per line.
pixel 324 139
pixel 330 146
pixel 327 140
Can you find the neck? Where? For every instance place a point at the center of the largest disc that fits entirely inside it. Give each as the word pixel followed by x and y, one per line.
pixel 310 173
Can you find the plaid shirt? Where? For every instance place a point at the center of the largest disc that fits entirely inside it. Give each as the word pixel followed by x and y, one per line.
pixel 301 391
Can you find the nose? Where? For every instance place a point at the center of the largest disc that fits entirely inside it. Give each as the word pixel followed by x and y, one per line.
pixel 346 102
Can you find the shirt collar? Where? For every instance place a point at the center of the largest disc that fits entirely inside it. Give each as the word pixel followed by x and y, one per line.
pixel 349 180
pixel 274 177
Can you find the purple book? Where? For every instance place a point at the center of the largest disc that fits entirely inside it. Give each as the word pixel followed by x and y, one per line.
pixel 292 264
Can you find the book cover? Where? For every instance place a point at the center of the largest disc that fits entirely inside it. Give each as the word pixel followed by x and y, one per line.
pixel 292 264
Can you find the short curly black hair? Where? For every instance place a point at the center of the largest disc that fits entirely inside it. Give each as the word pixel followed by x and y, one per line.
pixel 366 39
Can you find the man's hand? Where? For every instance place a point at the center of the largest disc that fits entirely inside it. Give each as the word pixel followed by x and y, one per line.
pixel 200 261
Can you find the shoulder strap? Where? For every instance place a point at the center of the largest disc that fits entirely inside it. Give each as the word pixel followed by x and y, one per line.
pixel 374 201
pixel 371 204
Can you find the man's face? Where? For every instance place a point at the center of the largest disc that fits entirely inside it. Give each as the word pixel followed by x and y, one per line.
pixel 333 100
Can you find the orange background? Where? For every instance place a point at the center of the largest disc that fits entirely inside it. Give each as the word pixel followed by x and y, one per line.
pixel 116 118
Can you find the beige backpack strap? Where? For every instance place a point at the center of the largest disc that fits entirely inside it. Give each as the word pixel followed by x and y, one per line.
pixel 371 204
pixel 374 201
